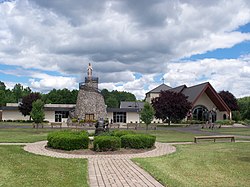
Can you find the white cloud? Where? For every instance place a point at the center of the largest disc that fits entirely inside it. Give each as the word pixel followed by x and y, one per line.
pixel 224 74
pixel 121 38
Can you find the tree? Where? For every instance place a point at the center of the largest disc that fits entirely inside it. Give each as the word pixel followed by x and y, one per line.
pixel 112 102
pixel 17 91
pixel 2 98
pixel 37 112
pixel 116 96
pixel 26 106
pixel 147 114
pixel 171 106
pixel 229 99
pixel 2 86
pixel 244 105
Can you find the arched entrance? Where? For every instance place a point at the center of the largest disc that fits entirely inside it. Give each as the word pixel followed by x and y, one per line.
pixel 200 113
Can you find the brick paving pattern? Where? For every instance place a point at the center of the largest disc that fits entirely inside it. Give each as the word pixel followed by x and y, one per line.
pixel 111 170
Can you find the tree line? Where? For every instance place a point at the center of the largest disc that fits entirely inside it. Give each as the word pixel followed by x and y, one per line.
pixel 61 96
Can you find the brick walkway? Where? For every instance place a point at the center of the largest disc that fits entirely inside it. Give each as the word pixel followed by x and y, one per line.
pixel 111 170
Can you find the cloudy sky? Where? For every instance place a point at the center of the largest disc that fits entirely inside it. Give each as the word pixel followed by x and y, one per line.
pixel 132 45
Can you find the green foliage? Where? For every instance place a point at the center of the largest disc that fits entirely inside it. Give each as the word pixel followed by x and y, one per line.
pixel 225 122
pixel 37 112
pixel 147 114
pixel 245 122
pixel 120 133
pixel 236 116
pixel 114 98
pixel 107 143
pixel 244 105
pixel 63 96
pixel 2 86
pixel 74 120
pixel 193 122
pixel 68 140
pixel 138 141
pixel 112 102
pixel 2 97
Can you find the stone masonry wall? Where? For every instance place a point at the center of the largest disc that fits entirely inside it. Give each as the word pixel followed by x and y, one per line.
pixel 90 102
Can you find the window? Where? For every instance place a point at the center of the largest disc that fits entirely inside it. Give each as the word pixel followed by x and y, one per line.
pixel 89 116
pixel 119 117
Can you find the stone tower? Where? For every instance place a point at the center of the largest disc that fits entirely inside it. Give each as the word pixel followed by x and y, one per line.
pixel 90 103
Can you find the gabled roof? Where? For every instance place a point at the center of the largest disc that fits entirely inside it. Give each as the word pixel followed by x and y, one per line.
pixel 178 89
pixel 194 92
pixel 132 104
pixel 158 89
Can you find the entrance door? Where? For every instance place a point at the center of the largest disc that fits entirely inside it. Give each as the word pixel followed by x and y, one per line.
pixel 58 117
pixel 200 113
pixel 1 115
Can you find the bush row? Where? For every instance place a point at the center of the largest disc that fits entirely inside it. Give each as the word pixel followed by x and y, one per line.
pixel 225 122
pixel 107 143
pixel 68 140
pixel 137 141
pixel 110 142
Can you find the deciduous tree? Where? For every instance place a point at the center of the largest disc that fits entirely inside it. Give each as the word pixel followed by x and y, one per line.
pixel 25 106
pixel 171 106
pixel 37 112
pixel 229 99
pixel 147 114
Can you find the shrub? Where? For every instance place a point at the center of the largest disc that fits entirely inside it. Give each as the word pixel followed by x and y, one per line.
pixel 68 140
pixel 74 120
pixel 122 132
pixel 225 122
pixel 192 122
pixel 137 141
pixel 107 143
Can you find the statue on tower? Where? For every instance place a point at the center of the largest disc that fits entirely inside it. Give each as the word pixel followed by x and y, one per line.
pixel 90 69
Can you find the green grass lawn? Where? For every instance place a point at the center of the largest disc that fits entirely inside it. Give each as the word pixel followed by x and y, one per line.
pixel 19 168
pixel 23 135
pixel 201 165
pixel 170 135
pixel 234 131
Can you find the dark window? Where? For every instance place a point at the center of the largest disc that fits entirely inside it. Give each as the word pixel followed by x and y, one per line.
pixel 119 117
pixel 61 114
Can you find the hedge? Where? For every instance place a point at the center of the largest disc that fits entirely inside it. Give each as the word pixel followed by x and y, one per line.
pixel 225 122
pixel 107 143
pixel 68 140
pixel 137 141
pixel 120 133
